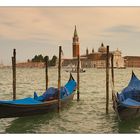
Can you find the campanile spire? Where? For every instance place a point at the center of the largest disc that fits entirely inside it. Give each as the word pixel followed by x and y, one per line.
pixel 75 32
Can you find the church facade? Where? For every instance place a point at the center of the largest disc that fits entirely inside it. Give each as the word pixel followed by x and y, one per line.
pixel 93 59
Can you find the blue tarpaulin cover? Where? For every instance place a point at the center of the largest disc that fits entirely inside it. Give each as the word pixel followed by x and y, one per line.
pixel 130 102
pixel 130 96
pixel 51 92
pixel 24 101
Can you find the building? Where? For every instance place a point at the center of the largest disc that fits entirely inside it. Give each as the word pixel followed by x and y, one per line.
pixel 93 59
pixel 75 44
pixel 132 61
pixel 30 65
pixel 98 59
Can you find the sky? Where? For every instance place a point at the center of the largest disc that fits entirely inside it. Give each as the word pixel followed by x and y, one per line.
pixel 41 30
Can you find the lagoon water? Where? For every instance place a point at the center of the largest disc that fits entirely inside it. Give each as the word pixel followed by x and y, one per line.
pixel 86 116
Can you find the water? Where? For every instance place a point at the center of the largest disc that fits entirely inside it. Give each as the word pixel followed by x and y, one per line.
pixel 86 116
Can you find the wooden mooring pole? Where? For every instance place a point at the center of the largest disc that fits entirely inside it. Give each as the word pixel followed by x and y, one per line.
pixel 107 80
pixel 14 73
pixel 113 87
pixel 112 74
pixel 59 78
pixel 78 77
pixel 46 72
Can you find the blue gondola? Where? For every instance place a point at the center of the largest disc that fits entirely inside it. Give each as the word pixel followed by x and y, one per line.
pixel 38 104
pixel 127 103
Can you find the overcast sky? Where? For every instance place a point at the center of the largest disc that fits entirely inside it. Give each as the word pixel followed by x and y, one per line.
pixel 41 30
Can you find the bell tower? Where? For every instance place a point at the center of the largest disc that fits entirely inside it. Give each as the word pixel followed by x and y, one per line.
pixel 75 44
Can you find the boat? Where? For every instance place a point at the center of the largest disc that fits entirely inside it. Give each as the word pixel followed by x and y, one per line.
pixel 44 103
pixel 127 103
pixel 121 67
pixel 73 69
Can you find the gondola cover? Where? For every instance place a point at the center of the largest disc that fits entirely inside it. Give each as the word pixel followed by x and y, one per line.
pixel 130 96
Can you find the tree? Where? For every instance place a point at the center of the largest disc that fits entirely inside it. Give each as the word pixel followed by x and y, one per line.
pixel 40 58
pixel 53 61
pixel 46 58
pixel 35 58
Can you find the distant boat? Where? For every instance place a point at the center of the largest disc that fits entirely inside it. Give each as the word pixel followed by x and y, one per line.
pixel 127 103
pixel 110 67
pixel 38 104
pixel 121 68
pixel 73 69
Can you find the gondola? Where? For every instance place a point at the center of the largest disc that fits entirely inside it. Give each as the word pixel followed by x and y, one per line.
pixel 127 103
pixel 47 102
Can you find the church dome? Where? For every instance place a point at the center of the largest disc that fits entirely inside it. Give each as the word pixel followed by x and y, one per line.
pixel 102 49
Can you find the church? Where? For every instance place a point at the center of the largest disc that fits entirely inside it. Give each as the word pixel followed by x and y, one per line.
pixel 92 59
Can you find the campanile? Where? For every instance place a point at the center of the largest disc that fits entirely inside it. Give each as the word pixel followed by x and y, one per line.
pixel 75 44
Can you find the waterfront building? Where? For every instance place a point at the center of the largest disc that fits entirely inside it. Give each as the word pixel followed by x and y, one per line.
pixel 93 59
pixel 132 61
pixel 30 65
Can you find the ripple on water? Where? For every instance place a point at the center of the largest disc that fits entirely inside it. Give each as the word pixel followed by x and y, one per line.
pixel 86 116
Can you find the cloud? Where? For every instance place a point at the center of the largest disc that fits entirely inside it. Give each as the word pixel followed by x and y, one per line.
pixel 123 29
pixel 53 26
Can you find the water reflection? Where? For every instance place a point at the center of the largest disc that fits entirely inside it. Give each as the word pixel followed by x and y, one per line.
pixel 30 124
pixel 33 124
pixel 129 126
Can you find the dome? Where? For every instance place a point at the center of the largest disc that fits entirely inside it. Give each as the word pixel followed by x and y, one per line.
pixel 102 49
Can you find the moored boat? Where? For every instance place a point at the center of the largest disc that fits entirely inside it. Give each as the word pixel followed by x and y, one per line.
pixel 47 102
pixel 127 103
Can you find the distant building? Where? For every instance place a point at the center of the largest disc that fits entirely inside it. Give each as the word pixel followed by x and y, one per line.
pixel 93 59
pixel 75 44
pixel 132 61
pixel 30 65
pixel 98 59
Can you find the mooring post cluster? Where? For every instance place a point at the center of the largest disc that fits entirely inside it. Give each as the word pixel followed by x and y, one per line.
pixel 46 75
